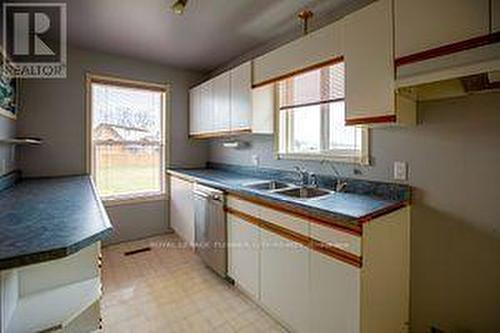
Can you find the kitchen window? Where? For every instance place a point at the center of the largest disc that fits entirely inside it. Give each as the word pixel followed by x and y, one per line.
pixel 127 138
pixel 311 122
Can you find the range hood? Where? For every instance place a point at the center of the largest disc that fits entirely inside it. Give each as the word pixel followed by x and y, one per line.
pixel 454 73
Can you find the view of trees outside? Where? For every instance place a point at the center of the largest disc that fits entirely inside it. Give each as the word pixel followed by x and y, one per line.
pixel 127 139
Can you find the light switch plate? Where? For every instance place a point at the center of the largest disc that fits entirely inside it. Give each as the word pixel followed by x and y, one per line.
pixel 400 170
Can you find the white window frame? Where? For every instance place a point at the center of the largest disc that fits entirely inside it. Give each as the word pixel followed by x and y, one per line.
pixel 165 130
pixel 344 156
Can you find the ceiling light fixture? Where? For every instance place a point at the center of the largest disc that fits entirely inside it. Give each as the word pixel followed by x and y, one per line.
pixel 305 16
pixel 179 6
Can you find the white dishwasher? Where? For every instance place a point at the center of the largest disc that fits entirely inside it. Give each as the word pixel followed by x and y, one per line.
pixel 210 227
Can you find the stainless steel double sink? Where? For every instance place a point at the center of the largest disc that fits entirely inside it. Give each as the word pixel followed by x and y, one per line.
pixel 289 190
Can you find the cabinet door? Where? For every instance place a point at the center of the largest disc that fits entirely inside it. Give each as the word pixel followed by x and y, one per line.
pixel 426 24
pixel 369 63
pixel 285 280
pixel 495 16
pixel 182 209
pixel 263 104
pixel 314 48
pixel 194 110
pixel 243 254
pixel 221 102
pixel 335 294
pixel 206 114
pixel 241 97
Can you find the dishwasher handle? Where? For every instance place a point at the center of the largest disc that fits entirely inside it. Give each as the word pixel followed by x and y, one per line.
pixel 201 194
pixel 204 195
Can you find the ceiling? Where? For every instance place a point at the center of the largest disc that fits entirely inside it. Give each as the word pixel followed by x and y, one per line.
pixel 209 34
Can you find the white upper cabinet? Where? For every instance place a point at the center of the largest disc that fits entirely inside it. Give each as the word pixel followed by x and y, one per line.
pixel 426 24
pixel 495 16
pixel 194 109
pixel 369 63
pixel 221 102
pixel 205 113
pixel 263 105
pixel 227 104
pixel 241 97
pixel 319 46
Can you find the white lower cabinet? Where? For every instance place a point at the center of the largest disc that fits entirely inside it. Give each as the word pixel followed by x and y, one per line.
pixel 182 208
pixel 335 295
pixel 284 280
pixel 309 289
pixel 243 257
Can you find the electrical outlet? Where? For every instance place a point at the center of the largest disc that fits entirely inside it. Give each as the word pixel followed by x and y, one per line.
pixel 255 160
pixel 3 167
pixel 400 170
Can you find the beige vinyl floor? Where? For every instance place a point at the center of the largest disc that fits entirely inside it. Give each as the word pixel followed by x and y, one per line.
pixel 168 289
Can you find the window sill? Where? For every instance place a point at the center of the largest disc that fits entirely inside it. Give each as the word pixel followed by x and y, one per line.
pixel 130 200
pixel 361 160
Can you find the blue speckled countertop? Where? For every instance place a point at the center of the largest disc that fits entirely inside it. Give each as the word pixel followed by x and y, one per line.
pixel 350 208
pixel 49 218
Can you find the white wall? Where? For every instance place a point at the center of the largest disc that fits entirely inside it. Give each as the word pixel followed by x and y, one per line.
pixel 55 111
pixel 454 161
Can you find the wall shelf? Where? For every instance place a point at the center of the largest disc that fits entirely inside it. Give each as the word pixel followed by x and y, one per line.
pixel 22 141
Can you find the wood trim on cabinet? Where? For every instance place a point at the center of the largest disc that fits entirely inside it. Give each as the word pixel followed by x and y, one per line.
pixel 306 241
pixel 336 253
pixel 448 49
pixel 371 120
pixel 385 211
pixel 269 226
pixel 330 62
pixel 219 134
pixel 331 222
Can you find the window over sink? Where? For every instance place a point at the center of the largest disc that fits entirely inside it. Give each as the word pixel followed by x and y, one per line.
pixel 312 118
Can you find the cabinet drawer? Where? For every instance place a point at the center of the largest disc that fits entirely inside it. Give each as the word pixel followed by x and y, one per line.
pixel 285 220
pixel 243 206
pixel 336 238
pixel 282 219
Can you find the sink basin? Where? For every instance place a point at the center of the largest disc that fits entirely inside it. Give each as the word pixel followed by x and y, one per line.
pixel 305 192
pixel 268 185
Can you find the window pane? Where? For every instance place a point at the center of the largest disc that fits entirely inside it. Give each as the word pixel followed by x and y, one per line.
pixel 312 115
pixel 342 137
pixel 306 129
pixel 127 169
pixel 128 140
pixel 126 114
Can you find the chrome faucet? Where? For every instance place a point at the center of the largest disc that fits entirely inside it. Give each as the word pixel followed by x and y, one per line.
pixel 340 184
pixel 306 178
pixel 303 175
pixel 313 180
